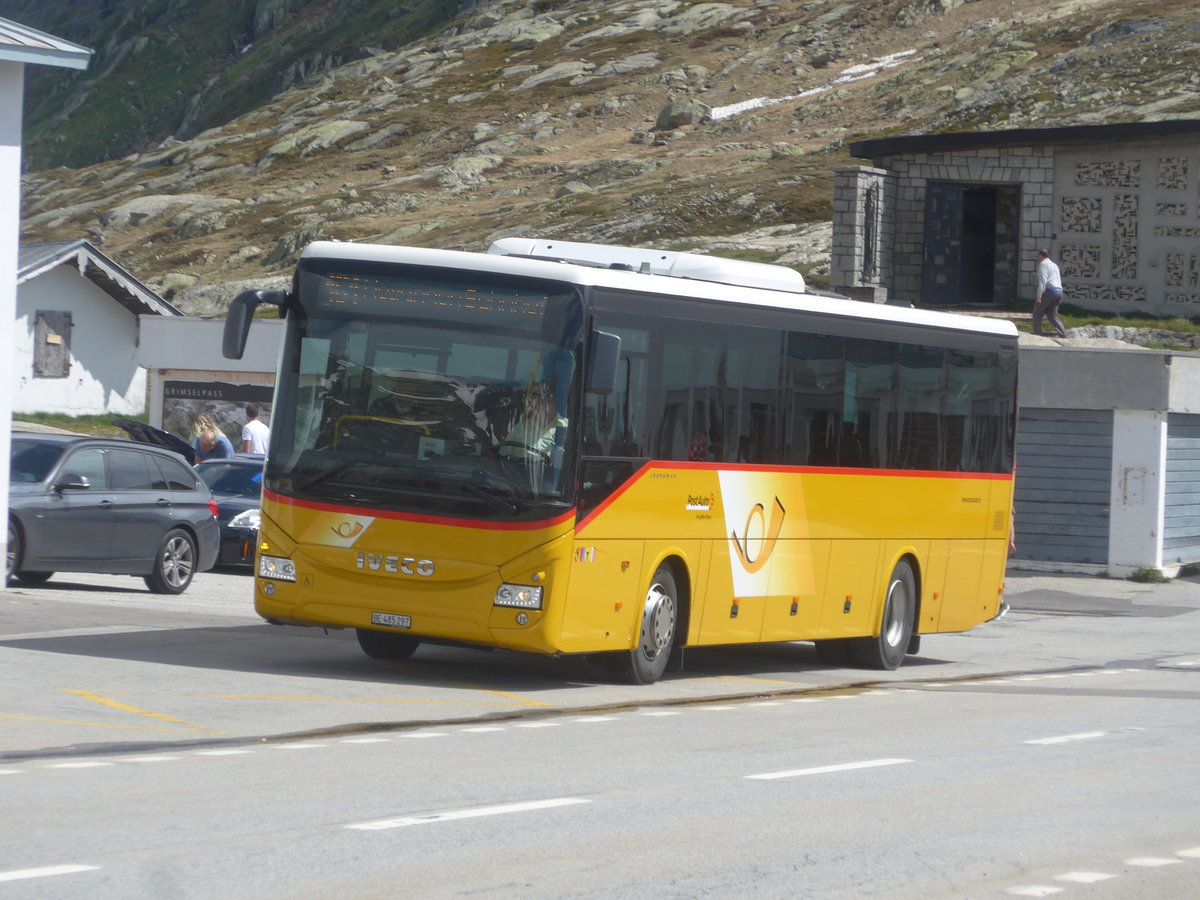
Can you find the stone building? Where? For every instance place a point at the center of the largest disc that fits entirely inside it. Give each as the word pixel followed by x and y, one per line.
pixel 955 219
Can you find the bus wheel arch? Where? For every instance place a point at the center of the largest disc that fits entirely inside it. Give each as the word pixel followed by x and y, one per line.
pixel 662 624
pixel 899 614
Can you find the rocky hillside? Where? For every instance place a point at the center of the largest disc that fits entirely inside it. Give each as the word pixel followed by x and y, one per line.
pixel 711 125
pixel 164 68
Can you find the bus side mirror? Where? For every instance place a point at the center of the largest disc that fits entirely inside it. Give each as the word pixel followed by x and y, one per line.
pixel 241 314
pixel 602 364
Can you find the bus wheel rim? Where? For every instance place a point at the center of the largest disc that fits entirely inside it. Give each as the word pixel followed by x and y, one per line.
pixel 897 613
pixel 658 622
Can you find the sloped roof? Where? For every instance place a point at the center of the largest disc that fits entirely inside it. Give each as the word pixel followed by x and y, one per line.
pixel 1066 134
pixel 19 43
pixel 34 259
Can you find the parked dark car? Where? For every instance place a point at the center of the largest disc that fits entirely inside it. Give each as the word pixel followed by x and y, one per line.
pixel 236 485
pixel 82 504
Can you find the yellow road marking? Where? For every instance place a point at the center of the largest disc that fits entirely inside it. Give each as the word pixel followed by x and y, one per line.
pixel 94 724
pixel 125 707
pixel 514 697
pixel 340 699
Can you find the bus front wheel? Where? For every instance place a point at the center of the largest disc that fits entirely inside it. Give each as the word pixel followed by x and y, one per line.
pixel 385 645
pixel 887 650
pixel 647 661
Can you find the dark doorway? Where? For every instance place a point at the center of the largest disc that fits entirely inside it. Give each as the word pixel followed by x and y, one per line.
pixel 971 253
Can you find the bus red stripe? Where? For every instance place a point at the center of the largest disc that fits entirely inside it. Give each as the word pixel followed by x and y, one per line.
pixel 489 524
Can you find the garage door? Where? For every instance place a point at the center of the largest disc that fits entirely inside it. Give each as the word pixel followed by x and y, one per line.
pixel 1064 483
pixel 1181 527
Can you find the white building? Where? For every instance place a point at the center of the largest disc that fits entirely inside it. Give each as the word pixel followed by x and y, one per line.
pixel 19 47
pixel 77 332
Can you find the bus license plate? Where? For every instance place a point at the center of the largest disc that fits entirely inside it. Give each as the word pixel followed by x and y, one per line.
pixel 390 620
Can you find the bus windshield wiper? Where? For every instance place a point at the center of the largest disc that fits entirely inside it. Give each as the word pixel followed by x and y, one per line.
pixel 491 497
pixel 328 474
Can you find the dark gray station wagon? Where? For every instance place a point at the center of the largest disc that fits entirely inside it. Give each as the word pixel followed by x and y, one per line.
pixel 79 504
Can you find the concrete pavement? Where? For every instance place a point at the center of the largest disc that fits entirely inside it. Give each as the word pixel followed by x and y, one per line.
pixel 93 664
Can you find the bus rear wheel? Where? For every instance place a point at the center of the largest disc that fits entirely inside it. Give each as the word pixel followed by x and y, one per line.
pixel 385 645
pixel 647 661
pixel 887 649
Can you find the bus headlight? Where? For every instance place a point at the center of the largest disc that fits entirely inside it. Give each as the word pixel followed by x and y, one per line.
pixel 277 568
pixel 519 595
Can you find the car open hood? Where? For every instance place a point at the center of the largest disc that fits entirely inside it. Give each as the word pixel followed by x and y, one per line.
pixel 148 434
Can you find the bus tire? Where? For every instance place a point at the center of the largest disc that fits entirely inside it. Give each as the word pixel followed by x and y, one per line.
pixel 887 650
pixel 647 662
pixel 385 645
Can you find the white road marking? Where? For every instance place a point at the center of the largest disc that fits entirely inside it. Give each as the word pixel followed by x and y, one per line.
pixel 661 712
pixel 1034 890
pixel 425 734
pixel 1190 853
pixel 149 759
pixel 18 874
pixel 1084 877
pixel 79 765
pixel 480 729
pixel 538 724
pixel 10 771
pixel 823 770
pixel 222 752
pixel 303 745
pixel 1152 862
pixel 595 719
pixel 478 812
pixel 364 740
pixel 1067 738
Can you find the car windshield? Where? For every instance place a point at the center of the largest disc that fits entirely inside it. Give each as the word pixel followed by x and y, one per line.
pixel 232 478
pixel 427 394
pixel 33 460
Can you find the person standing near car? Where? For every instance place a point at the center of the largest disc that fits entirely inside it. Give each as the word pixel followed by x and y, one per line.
pixel 1049 295
pixel 255 434
pixel 211 444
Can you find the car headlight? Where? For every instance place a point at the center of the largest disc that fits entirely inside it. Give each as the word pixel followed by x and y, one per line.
pixel 521 595
pixel 276 567
pixel 250 518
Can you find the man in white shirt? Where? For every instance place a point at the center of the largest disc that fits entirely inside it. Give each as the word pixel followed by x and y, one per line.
pixel 1049 294
pixel 255 434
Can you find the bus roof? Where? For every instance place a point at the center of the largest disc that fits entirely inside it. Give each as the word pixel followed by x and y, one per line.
pixel 681 283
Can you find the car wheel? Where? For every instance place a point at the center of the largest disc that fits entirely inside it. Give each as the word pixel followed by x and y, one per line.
pixel 174 564
pixel 14 551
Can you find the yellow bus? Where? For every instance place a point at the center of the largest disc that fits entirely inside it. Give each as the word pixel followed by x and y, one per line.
pixel 568 448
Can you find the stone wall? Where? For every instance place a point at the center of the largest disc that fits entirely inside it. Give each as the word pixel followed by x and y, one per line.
pixel 864 224
pixel 1128 225
pixel 1122 219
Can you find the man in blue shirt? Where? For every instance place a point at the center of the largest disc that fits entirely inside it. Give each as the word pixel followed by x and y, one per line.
pixel 213 445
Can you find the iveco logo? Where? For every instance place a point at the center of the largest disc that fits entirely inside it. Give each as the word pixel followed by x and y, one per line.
pixel 399 565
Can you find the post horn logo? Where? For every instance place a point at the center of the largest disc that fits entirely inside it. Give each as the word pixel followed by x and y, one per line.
pixel 754 561
pixel 347 530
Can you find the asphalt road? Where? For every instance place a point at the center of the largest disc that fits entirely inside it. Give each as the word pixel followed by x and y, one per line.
pixel 157 747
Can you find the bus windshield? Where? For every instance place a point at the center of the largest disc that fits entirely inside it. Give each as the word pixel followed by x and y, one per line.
pixel 428 392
